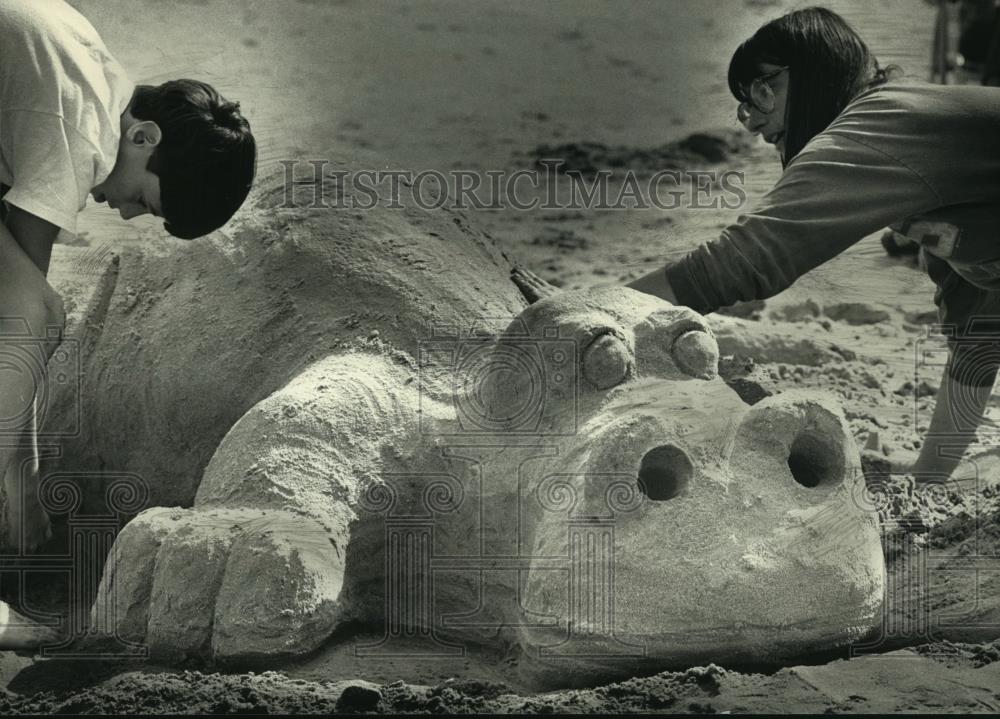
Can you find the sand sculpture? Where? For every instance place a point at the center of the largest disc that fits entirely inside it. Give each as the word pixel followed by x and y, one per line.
pixel 327 433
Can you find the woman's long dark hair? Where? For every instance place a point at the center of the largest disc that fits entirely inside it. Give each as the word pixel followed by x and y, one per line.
pixel 828 64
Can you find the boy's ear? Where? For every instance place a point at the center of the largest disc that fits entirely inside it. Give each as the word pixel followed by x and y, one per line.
pixel 144 133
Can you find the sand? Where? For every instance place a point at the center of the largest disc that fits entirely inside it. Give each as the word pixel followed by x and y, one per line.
pixel 431 85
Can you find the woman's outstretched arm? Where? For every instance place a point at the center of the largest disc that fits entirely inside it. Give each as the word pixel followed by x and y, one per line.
pixel 835 192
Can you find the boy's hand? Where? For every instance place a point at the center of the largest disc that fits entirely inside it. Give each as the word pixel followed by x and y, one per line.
pixel 34 235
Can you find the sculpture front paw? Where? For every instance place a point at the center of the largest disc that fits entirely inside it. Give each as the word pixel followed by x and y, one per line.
pixel 223 584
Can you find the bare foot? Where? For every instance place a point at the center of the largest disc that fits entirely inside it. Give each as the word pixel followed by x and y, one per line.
pixel 19 632
pixel 532 286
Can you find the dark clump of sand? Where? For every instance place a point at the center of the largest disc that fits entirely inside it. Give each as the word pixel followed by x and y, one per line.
pixel 273 693
pixel 184 693
pixel 964 679
pixel 699 149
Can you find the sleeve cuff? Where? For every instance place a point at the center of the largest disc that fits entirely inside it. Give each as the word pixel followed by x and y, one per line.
pixel 685 289
pixel 62 220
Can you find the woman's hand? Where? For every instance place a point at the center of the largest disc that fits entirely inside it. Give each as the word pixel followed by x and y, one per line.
pixel 655 283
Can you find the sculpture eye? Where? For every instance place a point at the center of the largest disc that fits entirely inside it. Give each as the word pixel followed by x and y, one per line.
pixel 696 353
pixel 607 362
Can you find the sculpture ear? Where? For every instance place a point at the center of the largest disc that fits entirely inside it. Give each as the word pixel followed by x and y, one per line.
pixel 532 287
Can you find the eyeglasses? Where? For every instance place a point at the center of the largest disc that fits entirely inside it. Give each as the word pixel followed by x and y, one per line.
pixel 761 96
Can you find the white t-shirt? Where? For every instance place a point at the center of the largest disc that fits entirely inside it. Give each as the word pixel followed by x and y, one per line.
pixel 61 100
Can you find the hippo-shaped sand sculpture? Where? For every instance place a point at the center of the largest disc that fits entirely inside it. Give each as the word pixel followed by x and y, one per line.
pixel 336 418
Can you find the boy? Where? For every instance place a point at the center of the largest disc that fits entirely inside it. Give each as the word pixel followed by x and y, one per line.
pixel 71 125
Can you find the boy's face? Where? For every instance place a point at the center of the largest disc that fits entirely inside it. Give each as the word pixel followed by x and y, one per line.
pixel 131 188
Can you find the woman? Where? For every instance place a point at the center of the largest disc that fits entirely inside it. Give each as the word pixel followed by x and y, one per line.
pixel 861 152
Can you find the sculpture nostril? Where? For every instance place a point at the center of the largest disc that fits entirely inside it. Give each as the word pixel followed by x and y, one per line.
pixel 664 472
pixel 813 462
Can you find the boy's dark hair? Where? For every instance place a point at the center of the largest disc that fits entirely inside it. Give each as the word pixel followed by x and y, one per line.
pixel 828 65
pixel 206 158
